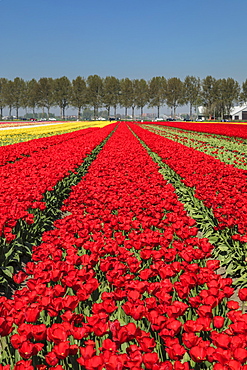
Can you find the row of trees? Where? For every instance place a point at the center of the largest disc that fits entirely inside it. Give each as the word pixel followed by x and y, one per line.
pixel 217 96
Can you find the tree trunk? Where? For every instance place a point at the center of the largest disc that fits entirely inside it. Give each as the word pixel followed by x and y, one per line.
pixel 158 111
pixel 10 110
pixel 190 111
pixel 141 112
pixel 48 112
pixel 126 112
pixel 63 112
pixel 94 111
pixel 1 113
pixel 228 110
pixel 115 111
pixel 133 112
pixel 174 111
pixel 79 113
pixel 108 112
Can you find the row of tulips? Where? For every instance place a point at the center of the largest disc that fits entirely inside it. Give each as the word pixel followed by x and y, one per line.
pixel 123 282
pixel 234 130
pixel 220 186
pixel 228 142
pixel 231 253
pixel 227 150
pixel 24 183
pixel 17 151
pixel 12 254
pixel 13 135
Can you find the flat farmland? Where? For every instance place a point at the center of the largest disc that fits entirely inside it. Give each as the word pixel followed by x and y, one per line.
pixel 123 246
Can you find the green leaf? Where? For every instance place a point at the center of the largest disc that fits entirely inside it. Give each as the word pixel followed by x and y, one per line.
pixel 7 271
pixel 7 254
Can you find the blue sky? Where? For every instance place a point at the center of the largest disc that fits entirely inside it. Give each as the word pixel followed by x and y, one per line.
pixel 123 38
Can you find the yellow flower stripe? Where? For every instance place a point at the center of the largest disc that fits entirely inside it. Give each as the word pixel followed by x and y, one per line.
pixel 16 135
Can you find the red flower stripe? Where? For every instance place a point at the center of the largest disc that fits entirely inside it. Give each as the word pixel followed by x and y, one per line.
pixel 17 151
pixel 228 150
pixel 220 186
pixel 238 130
pixel 23 183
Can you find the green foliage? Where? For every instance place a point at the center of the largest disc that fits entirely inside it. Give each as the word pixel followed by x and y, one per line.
pixel 192 91
pixel 127 93
pixel 209 94
pixel 175 93
pixel 18 94
pixel 217 96
pixel 111 93
pixel 43 93
pixel 157 92
pixel 95 92
pixel 243 95
pixel 62 93
pixel 141 94
pixel 3 82
pixel 8 95
pixel 79 96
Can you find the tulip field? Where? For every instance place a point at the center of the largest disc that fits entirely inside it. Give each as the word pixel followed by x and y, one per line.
pixel 124 246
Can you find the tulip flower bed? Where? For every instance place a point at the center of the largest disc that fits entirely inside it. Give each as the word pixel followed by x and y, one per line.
pixel 33 188
pixel 123 281
pixel 229 129
pixel 221 187
pixel 17 151
pixel 51 162
pixel 21 134
pixel 227 149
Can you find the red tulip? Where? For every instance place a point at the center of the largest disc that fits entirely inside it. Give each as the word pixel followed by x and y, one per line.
pixel 198 354
pixel 242 293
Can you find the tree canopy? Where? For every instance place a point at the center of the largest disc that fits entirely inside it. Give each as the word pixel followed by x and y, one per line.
pixel 216 96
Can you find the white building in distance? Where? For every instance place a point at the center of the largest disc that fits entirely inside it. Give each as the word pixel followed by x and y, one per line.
pixel 237 113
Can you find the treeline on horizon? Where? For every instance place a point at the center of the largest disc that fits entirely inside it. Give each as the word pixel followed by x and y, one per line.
pixel 217 96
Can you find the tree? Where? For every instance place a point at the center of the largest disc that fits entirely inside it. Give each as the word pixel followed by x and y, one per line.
pixel 209 94
pixel 45 94
pixel 230 93
pixel 218 105
pixel 192 90
pixel 111 92
pixel 8 95
pixel 18 94
pixel 174 93
pixel 157 92
pixel 62 93
pixel 32 94
pixel 95 92
pixel 3 82
pixel 133 96
pixel 126 90
pixel 24 104
pixel 243 94
pixel 87 114
pixel 141 94
pixel 79 97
